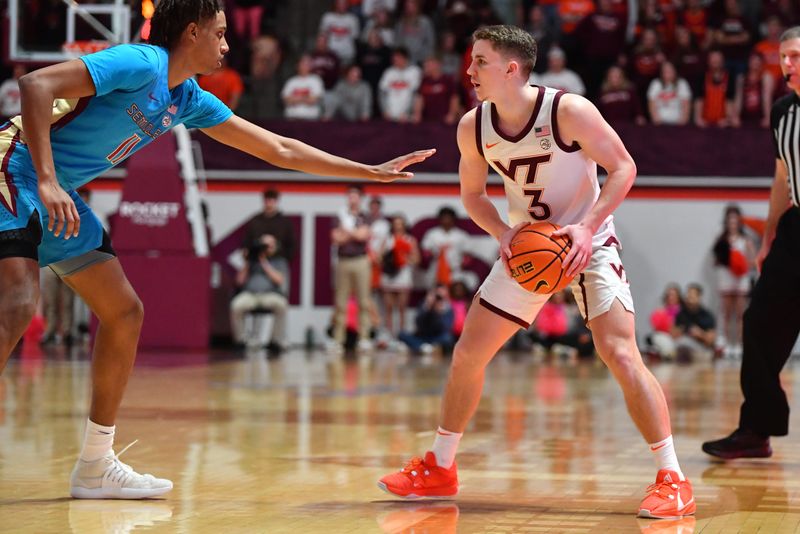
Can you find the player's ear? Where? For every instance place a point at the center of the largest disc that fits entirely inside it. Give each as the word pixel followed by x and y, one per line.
pixel 512 69
pixel 191 30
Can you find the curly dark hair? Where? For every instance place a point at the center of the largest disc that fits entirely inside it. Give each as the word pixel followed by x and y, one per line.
pixel 172 16
pixel 511 41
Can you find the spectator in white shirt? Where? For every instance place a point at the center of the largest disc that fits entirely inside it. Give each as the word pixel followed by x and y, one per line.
pixel 669 97
pixel 557 75
pixel 342 29
pixel 444 247
pixel 398 86
pixel 9 93
pixel 369 7
pixel 302 94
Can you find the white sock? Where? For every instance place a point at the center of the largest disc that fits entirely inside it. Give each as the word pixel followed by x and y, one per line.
pixel 444 447
pixel 664 452
pixel 97 441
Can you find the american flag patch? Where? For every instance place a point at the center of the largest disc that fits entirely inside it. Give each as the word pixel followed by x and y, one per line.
pixel 542 132
pixel 173 109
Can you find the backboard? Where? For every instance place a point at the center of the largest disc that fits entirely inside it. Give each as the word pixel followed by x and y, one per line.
pixel 38 30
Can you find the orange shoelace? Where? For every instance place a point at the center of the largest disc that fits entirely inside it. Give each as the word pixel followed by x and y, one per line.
pixel 413 464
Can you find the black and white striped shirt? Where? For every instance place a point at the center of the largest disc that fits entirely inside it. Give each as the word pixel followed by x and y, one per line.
pixel 785 121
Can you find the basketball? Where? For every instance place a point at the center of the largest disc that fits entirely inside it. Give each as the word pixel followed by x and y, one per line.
pixel 536 257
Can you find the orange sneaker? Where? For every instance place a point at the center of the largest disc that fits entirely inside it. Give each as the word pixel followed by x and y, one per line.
pixel 669 498
pixel 421 477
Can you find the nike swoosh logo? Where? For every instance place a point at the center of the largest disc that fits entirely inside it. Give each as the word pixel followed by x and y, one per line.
pixel 660 446
pixel 151 97
pixel 490 145
pixel 443 433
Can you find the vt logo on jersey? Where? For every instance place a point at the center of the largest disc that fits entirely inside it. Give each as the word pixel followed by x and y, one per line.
pixel 537 209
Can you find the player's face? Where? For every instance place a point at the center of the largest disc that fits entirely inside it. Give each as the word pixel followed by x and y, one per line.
pixel 790 63
pixel 488 69
pixel 211 43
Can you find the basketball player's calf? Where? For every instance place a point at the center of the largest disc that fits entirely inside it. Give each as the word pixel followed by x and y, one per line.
pixel 99 474
pixel 19 292
pixel 671 496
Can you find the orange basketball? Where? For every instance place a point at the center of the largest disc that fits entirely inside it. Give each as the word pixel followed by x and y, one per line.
pixel 536 258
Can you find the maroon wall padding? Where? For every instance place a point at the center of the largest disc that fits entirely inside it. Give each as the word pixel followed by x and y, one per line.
pixel 151 214
pixel 153 239
pixel 323 265
pixel 174 290
pixel 658 150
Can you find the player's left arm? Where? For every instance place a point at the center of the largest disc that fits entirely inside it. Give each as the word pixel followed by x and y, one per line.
pixel 38 90
pixel 293 154
pixel 580 121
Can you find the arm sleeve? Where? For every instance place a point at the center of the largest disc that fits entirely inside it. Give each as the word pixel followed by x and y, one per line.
pixel 203 110
pixel 122 68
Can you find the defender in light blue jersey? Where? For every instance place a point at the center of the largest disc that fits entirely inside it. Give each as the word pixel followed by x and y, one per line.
pixel 79 118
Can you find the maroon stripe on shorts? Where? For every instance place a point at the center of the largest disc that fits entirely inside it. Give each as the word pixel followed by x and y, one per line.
pixel 504 314
pixel 583 294
pixel 6 176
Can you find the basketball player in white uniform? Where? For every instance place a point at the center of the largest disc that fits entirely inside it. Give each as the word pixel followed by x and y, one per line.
pixel 546 145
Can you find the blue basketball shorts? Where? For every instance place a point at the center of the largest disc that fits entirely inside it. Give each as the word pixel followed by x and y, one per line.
pixel 23 217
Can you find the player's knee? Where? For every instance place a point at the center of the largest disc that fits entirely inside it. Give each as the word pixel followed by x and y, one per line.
pixel 462 362
pixel 16 314
pixel 621 359
pixel 129 313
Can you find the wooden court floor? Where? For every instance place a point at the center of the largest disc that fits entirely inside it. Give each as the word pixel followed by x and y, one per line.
pixel 296 444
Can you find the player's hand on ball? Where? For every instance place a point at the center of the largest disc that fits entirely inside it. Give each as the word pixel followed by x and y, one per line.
pixel 393 170
pixel 581 251
pixel 505 244
pixel 61 209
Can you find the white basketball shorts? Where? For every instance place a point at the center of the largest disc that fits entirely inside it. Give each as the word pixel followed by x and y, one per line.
pixel 595 290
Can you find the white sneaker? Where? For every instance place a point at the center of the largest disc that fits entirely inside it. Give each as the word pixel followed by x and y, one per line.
pixel 109 478
pixel 364 345
pixel 334 348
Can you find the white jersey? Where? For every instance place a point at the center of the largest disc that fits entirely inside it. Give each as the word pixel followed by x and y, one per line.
pixel 544 179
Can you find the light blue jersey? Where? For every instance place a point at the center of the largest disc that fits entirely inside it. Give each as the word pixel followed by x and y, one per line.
pixel 133 106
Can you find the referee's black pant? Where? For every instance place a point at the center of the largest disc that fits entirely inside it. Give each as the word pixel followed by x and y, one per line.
pixel 771 326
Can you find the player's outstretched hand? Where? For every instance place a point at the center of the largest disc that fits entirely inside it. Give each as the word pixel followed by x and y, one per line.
pixel 61 210
pixel 580 251
pixel 393 170
pixel 505 244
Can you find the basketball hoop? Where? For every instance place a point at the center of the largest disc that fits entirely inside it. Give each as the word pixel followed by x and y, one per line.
pixel 75 49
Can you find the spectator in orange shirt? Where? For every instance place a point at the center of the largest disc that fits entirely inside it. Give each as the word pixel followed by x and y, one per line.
pixel 714 103
pixel 224 83
pixel 768 48
pixel 695 17
pixel 571 12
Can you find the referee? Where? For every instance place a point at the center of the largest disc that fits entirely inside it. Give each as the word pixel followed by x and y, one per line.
pixel 772 321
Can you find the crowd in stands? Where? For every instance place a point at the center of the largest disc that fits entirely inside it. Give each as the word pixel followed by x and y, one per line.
pixel 703 62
